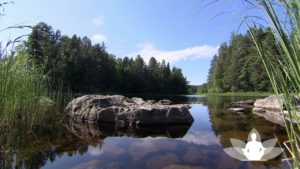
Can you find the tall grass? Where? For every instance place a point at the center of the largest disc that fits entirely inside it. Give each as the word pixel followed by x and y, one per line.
pixel 23 91
pixel 284 70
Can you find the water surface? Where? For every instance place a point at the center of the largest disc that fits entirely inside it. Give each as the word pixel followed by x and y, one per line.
pixel 199 146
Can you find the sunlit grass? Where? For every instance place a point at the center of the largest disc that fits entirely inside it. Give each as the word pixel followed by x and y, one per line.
pixel 24 92
pixel 284 69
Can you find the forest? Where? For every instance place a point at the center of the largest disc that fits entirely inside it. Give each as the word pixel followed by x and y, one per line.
pixel 80 66
pixel 238 67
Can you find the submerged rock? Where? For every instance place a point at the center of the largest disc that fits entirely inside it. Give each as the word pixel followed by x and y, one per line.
pixel 125 111
pixel 244 103
pixel 236 110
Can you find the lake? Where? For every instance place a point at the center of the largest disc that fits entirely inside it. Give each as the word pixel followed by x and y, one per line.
pixel 199 146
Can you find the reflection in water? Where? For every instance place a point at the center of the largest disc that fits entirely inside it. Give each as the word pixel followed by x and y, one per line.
pixel 92 131
pixel 228 125
pixel 271 115
pixel 201 138
pixel 24 149
pixel 81 146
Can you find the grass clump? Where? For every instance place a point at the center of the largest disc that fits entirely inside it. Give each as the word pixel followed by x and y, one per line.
pixel 24 94
pixel 284 69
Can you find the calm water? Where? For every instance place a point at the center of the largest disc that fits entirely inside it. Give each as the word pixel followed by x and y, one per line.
pixel 199 146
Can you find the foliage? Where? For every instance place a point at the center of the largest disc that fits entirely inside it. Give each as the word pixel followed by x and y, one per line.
pixel 254 94
pixel 26 93
pixel 192 89
pixel 202 88
pixel 22 88
pixel 90 68
pixel 284 68
pixel 238 68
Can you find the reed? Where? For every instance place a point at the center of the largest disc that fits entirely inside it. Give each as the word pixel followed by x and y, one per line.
pixel 25 97
pixel 283 17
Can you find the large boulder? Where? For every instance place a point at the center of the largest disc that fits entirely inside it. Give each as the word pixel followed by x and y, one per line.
pixel 274 111
pixel 125 111
pixel 270 102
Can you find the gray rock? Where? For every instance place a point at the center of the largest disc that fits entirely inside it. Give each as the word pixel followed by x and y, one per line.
pixel 271 109
pixel 151 101
pixel 270 102
pixel 125 111
pixel 165 102
pixel 138 101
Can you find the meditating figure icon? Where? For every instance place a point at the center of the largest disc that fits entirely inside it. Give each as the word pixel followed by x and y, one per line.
pixel 254 150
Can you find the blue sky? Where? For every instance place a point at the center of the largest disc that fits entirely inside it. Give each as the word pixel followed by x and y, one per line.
pixel 184 32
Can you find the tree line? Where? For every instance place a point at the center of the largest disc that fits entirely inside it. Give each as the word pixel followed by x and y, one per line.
pixel 237 67
pixel 79 65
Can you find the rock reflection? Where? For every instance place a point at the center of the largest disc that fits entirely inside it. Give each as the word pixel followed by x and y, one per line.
pixel 32 149
pixel 103 130
pixel 272 116
pixel 228 125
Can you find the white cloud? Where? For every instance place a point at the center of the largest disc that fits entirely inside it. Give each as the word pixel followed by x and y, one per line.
pixel 148 50
pixel 201 137
pixel 98 38
pixel 98 21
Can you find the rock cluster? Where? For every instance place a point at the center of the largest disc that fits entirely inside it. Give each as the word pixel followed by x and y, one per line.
pixel 126 111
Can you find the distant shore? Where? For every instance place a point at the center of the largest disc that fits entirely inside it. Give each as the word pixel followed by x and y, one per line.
pixel 238 94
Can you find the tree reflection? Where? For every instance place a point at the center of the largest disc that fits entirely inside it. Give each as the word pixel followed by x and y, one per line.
pixel 32 149
pixel 228 125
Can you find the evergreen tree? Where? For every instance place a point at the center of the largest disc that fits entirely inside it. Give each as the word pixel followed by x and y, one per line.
pixel 88 68
pixel 238 67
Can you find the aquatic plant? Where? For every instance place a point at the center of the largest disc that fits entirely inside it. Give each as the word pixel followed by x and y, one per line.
pixel 284 69
pixel 25 93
